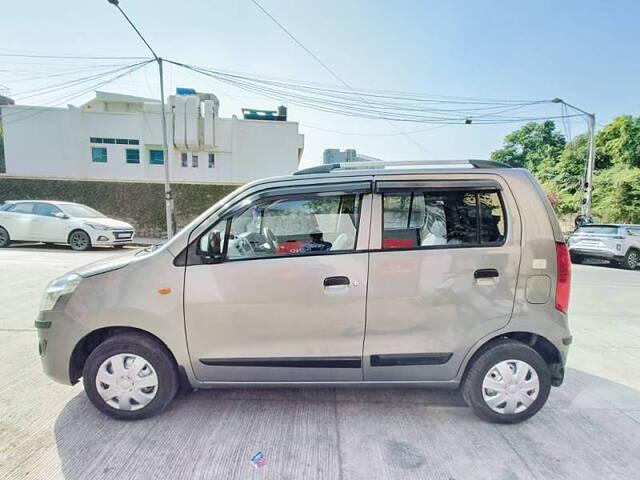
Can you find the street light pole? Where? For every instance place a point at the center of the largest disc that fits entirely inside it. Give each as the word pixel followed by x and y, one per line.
pixel 591 160
pixel 165 146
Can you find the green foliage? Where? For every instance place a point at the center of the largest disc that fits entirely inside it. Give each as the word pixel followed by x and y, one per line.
pixel 141 204
pixel 531 145
pixel 616 194
pixel 561 167
pixel 618 143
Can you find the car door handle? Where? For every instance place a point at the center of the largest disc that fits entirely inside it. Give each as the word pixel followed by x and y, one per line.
pixel 485 273
pixel 335 281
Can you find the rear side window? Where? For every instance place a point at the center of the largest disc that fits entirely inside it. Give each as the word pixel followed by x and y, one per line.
pixel 599 229
pixel 26 207
pixel 443 219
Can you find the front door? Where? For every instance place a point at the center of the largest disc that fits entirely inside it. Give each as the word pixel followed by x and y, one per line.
pixel 49 227
pixel 443 277
pixel 270 313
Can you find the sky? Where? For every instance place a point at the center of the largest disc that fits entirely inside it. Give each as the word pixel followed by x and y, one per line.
pixel 586 52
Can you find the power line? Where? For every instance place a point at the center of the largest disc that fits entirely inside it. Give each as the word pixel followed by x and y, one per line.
pixel 329 69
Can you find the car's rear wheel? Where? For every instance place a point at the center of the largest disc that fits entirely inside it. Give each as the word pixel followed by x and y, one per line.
pixel 631 259
pixel 80 240
pixel 5 240
pixel 509 382
pixel 130 376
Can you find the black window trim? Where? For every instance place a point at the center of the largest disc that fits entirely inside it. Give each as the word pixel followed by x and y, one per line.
pixel 477 189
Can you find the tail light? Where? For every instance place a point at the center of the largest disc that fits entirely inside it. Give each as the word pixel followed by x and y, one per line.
pixel 563 281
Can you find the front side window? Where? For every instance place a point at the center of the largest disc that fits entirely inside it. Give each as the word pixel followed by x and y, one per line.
pixel 297 225
pixel 98 155
pixel 156 157
pixel 47 210
pixel 442 218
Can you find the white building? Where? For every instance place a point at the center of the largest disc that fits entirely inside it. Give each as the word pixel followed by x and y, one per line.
pixel 334 155
pixel 119 137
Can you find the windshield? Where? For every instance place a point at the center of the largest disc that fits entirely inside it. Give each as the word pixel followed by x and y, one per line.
pixel 80 211
pixel 600 229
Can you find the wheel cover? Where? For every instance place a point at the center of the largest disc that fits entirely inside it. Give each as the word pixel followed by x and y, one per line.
pixel 510 387
pixel 127 381
pixel 79 240
pixel 632 260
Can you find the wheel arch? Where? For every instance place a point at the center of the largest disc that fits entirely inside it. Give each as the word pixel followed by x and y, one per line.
pixel 89 342
pixel 77 229
pixel 543 346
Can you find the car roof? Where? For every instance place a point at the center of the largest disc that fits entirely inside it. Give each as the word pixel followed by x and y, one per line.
pixel 54 202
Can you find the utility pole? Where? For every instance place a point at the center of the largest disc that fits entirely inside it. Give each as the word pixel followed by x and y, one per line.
pixel 587 184
pixel 165 147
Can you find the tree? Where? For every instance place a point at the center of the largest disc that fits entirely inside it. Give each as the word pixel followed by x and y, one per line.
pixel 531 145
pixel 616 194
pixel 618 143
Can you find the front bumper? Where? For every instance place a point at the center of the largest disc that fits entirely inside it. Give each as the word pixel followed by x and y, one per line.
pixel 111 237
pixel 58 334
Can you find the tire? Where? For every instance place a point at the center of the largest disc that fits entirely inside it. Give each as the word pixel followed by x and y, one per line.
pixel 576 258
pixel 79 240
pixel 5 240
pixel 505 353
pixel 631 260
pixel 115 361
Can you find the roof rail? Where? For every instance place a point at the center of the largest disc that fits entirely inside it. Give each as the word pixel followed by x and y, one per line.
pixel 326 168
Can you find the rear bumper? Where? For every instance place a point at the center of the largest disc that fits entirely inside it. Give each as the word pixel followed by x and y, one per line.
pixel 595 253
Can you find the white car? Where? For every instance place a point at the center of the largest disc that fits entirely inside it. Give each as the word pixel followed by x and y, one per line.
pixel 60 222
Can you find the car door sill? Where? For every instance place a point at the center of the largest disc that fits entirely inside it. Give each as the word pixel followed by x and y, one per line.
pixel 361 383
pixel 285 362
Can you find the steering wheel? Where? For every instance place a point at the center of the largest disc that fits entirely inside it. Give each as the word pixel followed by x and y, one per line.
pixel 271 238
pixel 242 246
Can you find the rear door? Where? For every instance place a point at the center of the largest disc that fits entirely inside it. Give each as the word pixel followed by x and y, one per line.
pixel 19 221
pixel 442 274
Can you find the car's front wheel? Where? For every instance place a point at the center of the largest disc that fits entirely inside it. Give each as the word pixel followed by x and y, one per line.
pixel 130 376
pixel 5 240
pixel 507 383
pixel 80 240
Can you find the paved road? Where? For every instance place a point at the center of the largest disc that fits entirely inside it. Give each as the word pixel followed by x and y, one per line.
pixel 590 427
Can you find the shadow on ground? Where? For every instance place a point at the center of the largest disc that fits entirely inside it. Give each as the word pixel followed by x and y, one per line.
pixel 590 428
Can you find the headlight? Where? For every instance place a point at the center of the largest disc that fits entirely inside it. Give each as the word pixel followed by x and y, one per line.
pixel 96 226
pixel 64 285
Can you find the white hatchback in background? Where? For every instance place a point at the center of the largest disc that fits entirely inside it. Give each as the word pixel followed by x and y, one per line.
pixel 60 222
pixel 617 243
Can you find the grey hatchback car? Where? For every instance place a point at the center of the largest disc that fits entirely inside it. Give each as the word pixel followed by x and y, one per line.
pixel 446 274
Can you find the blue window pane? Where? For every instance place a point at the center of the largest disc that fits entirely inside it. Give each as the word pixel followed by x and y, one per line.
pixel 99 155
pixel 134 142
pixel 133 155
pixel 156 157
pixel 108 140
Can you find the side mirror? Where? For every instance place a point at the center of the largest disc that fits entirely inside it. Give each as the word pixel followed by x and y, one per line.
pixel 61 215
pixel 210 247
